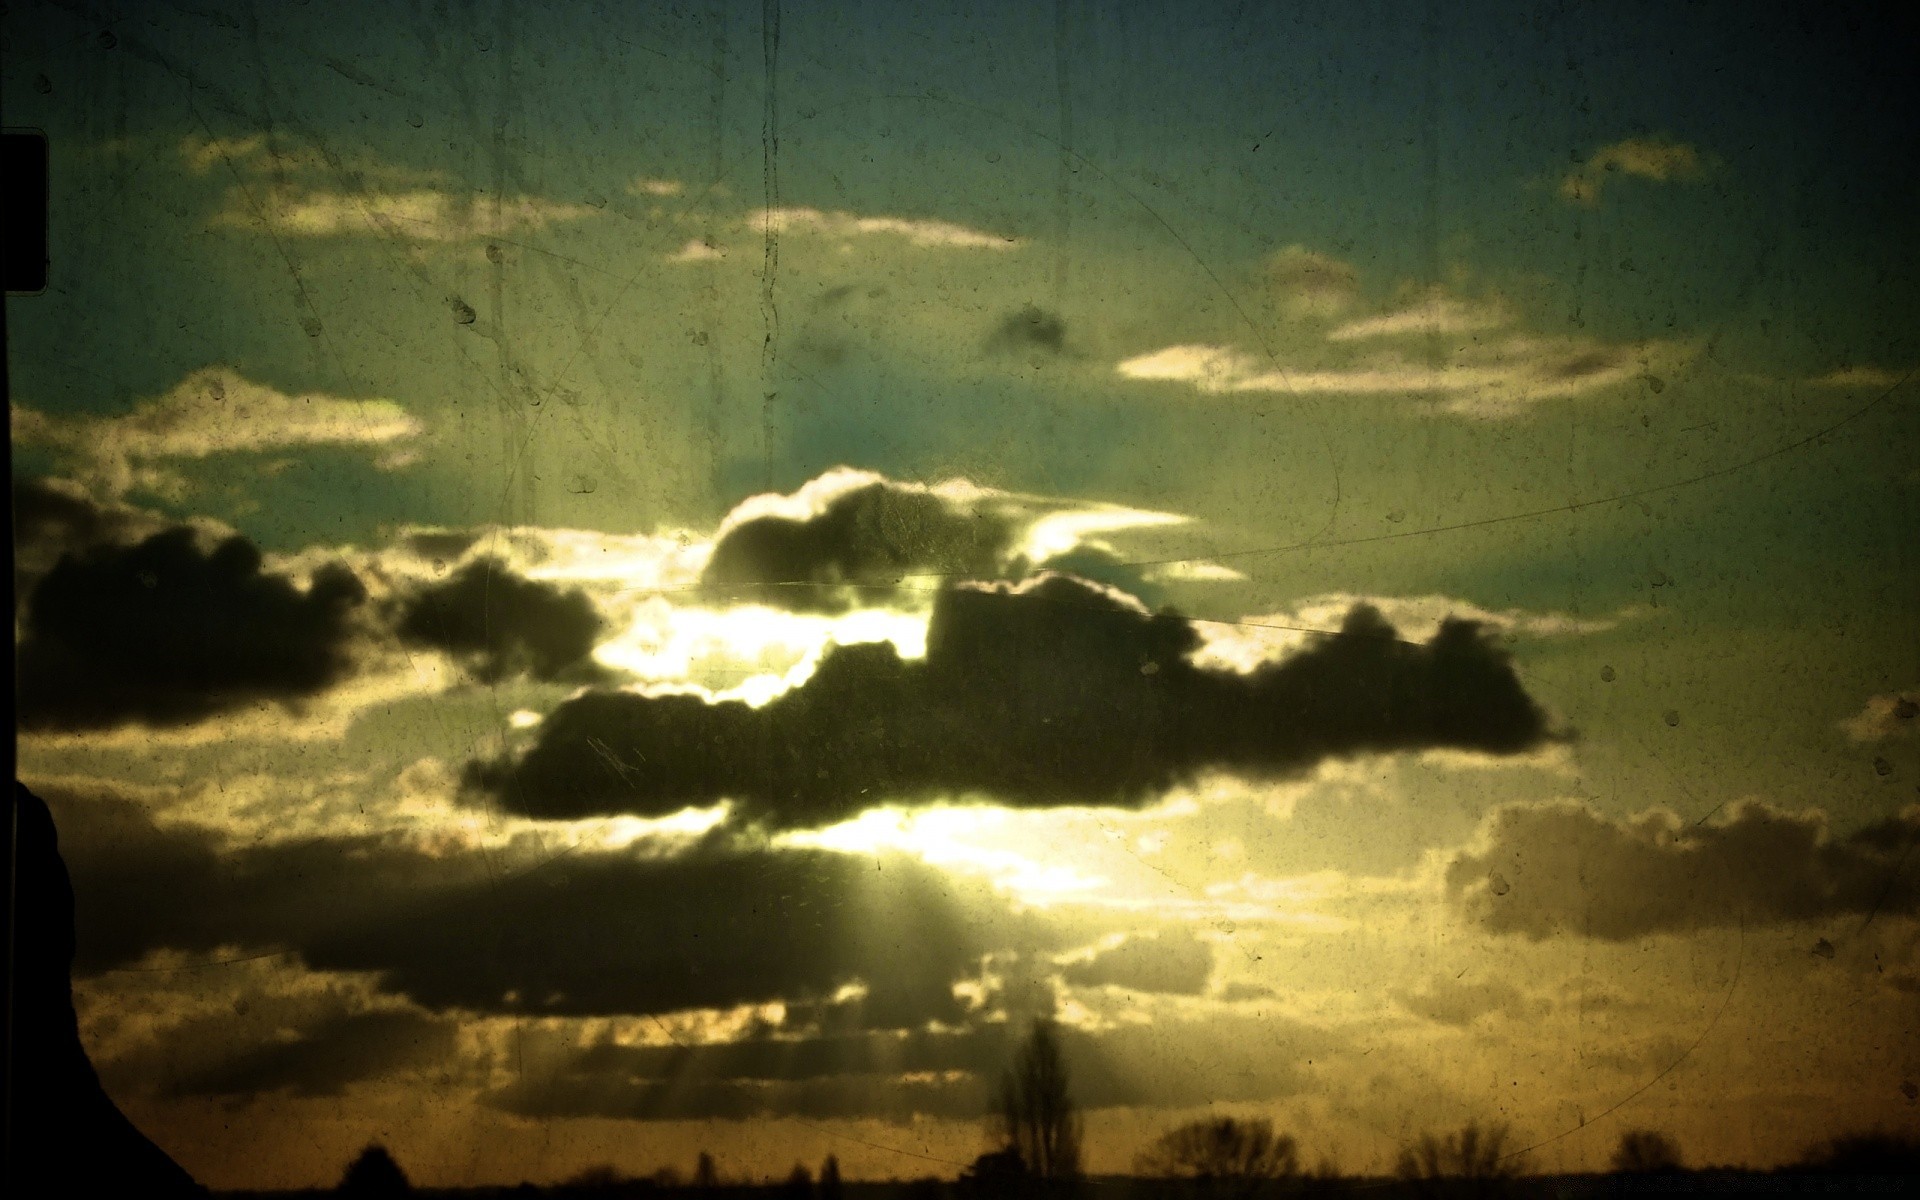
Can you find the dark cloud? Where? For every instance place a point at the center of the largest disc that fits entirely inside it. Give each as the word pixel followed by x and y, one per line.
pixel 166 632
pixel 1058 693
pixel 949 1074
pixel 501 624
pixel 323 1059
pixel 579 934
pixel 857 548
pixel 52 517
pixel 1174 962
pixel 1565 870
pixel 1031 330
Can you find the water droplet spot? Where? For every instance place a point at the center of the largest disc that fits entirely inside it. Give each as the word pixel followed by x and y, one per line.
pixel 1606 675
pixel 1672 718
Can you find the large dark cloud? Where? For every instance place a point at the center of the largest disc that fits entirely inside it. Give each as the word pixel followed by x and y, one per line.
pixel 167 632
pixel 501 624
pixel 1058 693
pixel 1565 870
pixel 857 548
pixel 583 933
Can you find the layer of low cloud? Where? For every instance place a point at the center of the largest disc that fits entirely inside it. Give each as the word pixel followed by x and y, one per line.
pixel 1172 961
pixel 214 410
pixel 1052 693
pixel 1658 160
pixel 581 933
pixel 169 631
pixel 1563 870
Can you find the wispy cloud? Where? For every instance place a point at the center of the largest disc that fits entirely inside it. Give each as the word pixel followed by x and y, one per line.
pixel 1655 159
pixel 215 410
pixel 1435 312
pixel 1495 379
pixel 919 231
pixel 416 214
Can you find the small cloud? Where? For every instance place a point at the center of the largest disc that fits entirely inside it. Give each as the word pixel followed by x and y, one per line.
pixel 1655 159
pixel 1031 330
pixel 1895 714
pixel 1311 284
pixel 656 187
pixel 215 410
pixel 918 231
pixel 697 250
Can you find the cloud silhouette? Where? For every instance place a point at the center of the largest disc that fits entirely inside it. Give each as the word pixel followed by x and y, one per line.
pixel 166 632
pixel 1564 870
pixel 1052 693
pixel 502 624
pixel 855 547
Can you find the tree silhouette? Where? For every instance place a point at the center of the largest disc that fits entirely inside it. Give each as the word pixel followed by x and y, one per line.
pixel 1471 1162
pixel 374 1173
pixel 1037 1116
pixel 704 1173
pixel 830 1179
pixel 1646 1152
pixel 799 1184
pixel 1221 1157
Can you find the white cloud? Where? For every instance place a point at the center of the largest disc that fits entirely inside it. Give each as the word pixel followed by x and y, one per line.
pixel 1895 714
pixel 1656 159
pixel 656 187
pixel 919 231
pixel 215 410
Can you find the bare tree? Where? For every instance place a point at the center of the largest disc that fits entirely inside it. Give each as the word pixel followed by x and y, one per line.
pixel 1645 1152
pixel 1037 1116
pixel 1222 1156
pixel 1471 1162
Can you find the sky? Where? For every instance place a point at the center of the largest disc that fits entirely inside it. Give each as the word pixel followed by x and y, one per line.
pixel 605 582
